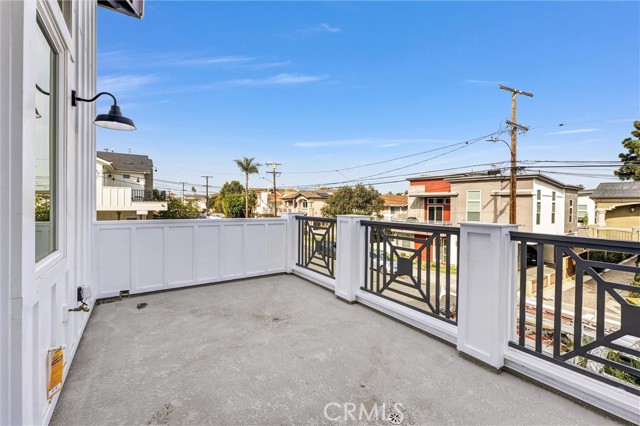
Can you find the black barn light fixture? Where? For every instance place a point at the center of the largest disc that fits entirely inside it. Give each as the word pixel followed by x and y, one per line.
pixel 113 120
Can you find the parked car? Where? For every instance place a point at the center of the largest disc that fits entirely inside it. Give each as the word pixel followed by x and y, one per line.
pixel 327 248
pixel 381 263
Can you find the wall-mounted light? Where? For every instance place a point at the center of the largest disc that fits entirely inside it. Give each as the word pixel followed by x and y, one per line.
pixel 113 120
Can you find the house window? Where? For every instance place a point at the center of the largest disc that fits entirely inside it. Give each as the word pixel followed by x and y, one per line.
pixel 553 207
pixel 570 211
pixel 434 214
pixel 538 205
pixel 46 211
pixel 126 176
pixel 582 212
pixel 473 206
pixel 304 204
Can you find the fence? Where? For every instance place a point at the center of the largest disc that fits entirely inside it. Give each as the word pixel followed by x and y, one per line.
pixel 317 244
pixel 590 325
pixel 413 265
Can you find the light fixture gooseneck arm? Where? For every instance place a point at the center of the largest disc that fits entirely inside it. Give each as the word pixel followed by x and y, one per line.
pixel 75 98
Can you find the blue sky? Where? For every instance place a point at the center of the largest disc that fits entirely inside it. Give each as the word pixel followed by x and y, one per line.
pixel 325 86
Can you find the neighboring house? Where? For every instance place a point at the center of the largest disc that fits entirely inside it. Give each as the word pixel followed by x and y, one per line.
pixel 586 207
pixel 124 184
pixel 198 199
pixel 617 205
pixel 47 156
pixel 545 205
pixel 395 207
pixel 308 202
pixel 264 201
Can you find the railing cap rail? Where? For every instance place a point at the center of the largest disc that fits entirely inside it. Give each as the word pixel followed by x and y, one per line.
pixel 318 218
pixel 413 226
pixel 584 242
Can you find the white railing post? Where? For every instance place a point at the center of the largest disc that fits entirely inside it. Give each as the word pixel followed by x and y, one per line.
pixel 292 239
pixel 487 291
pixel 349 257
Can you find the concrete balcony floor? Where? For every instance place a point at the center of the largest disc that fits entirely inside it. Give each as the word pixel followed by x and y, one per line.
pixel 276 350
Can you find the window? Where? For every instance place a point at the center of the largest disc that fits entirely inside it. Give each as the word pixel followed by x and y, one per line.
pixel 304 204
pixel 553 207
pixel 473 206
pixel 45 146
pixel 434 214
pixel 126 176
pixel 538 205
pixel 570 211
pixel 582 212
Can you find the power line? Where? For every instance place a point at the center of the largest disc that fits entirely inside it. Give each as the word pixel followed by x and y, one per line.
pixel 466 142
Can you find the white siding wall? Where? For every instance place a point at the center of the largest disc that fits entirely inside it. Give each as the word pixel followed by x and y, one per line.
pixel 34 296
pixel 163 254
pixel 591 208
pixel 545 226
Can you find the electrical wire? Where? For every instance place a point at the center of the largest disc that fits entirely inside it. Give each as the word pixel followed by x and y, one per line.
pixel 464 143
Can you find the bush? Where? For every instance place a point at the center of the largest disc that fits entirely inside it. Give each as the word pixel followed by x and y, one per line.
pixel 607 256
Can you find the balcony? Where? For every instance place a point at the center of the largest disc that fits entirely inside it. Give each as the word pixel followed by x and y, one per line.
pixel 120 198
pixel 277 350
pixel 267 346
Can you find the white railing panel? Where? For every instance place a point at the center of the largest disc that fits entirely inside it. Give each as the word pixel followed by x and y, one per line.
pixel 114 259
pixel 208 253
pixel 232 256
pixel 149 260
pixel 256 248
pixel 179 248
pixel 276 246
pixel 142 256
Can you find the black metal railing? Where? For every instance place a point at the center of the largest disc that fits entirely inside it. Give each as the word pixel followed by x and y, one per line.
pixel 148 195
pixel 413 265
pixel 579 305
pixel 317 244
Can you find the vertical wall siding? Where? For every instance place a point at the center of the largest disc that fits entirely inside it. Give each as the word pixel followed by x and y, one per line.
pixel 34 298
pixel 154 255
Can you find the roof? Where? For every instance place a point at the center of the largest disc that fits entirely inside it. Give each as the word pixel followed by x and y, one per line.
pixel 127 162
pixel 395 200
pixel 617 190
pixel 321 194
pixel 475 176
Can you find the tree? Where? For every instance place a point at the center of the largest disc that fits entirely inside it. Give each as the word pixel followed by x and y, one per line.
pixel 630 170
pixel 227 199
pixel 233 187
pixel 360 199
pixel 233 205
pixel 176 209
pixel 248 167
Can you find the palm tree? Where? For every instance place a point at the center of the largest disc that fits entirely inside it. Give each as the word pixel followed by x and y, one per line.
pixel 248 167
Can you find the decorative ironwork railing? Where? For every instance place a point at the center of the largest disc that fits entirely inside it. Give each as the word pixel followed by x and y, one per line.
pixel 317 244
pixel 579 305
pixel 148 195
pixel 413 265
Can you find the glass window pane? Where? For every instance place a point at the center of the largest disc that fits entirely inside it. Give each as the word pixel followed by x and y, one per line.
pixel 473 216
pixel 473 206
pixel 473 195
pixel 45 146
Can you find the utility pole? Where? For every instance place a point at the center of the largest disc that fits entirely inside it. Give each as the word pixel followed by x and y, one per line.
pixel 275 173
pixel 513 185
pixel 182 191
pixel 207 186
